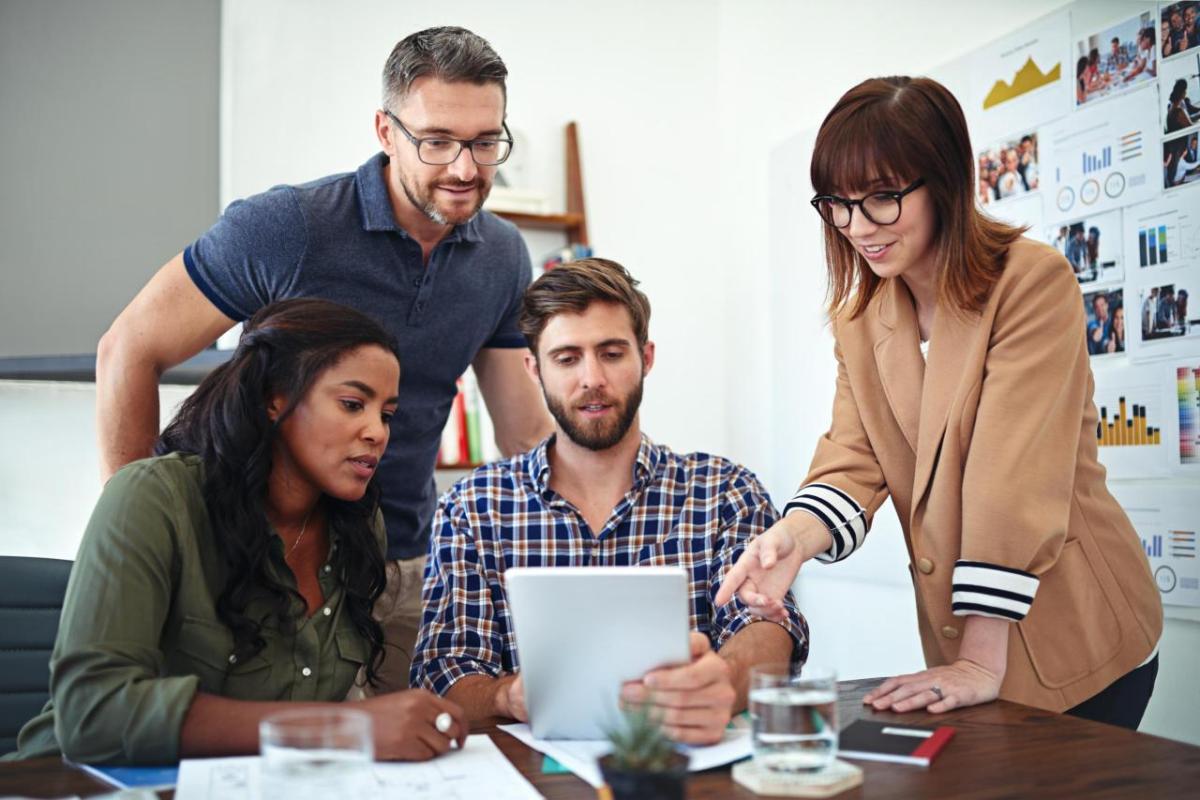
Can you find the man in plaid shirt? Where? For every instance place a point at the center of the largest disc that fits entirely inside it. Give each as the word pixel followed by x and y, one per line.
pixel 598 492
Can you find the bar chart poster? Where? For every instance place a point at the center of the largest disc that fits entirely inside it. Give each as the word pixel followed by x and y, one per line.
pixel 1167 527
pixel 1161 234
pixel 1102 158
pixel 1187 408
pixel 1132 437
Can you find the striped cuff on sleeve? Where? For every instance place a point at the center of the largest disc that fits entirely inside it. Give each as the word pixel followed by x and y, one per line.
pixel 990 590
pixel 846 519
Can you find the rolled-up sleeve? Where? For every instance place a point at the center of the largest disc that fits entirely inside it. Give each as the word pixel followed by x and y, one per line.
pixel 458 634
pixel 746 512
pixel 111 703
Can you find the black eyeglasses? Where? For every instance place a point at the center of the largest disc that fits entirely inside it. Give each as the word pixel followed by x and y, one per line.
pixel 882 208
pixel 441 150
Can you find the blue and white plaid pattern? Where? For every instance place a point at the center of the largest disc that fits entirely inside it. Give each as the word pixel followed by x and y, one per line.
pixel 697 511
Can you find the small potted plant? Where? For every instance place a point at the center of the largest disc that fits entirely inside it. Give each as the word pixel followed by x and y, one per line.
pixel 643 764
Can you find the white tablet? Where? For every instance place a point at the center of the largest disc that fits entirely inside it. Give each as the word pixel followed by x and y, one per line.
pixel 583 631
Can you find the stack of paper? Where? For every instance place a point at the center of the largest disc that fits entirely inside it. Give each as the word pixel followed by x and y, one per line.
pixel 479 769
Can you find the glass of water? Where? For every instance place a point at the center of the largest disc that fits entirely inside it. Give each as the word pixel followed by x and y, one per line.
pixel 316 753
pixel 793 713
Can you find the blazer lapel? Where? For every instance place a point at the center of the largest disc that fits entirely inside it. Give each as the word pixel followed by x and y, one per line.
pixel 949 345
pixel 898 358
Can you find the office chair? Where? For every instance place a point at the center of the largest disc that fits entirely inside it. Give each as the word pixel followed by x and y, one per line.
pixel 31 598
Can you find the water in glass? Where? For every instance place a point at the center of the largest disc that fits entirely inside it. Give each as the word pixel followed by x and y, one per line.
pixel 794 719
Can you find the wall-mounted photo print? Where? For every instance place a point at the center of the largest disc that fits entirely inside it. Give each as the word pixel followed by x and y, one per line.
pixel 1115 59
pixel 1009 169
pixel 1178 29
pixel 1168 311
pixel 1180 93
pixel 1181 161
pixel 1092 246
pixel 1105 311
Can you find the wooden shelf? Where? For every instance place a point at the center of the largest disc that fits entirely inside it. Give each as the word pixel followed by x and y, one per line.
pixel 573 222
pixel 544 221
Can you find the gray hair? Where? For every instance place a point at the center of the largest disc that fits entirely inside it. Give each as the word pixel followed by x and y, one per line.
pixel 446 53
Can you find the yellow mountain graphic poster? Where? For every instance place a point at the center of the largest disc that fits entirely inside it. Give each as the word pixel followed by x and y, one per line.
pixel 1028 78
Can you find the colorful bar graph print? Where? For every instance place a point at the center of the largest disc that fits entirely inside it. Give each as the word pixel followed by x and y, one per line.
pixel 1153 547
pixel 1095 163
pixel 1187 385
pixel 1152 246
pixel 1127 428
pixel 1183 544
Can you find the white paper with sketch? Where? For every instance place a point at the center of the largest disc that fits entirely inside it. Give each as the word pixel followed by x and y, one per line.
pixel 580 756
pixel 478 770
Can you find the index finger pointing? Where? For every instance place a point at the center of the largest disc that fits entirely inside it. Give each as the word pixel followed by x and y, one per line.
pixel 734 578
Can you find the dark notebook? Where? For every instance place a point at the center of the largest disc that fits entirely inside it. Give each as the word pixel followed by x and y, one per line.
pixel 892 741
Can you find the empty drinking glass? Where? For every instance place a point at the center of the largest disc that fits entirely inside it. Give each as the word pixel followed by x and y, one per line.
pixel 316 753
pixel 793 713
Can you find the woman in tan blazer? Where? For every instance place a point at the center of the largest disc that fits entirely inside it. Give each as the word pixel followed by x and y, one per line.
pixel 964 393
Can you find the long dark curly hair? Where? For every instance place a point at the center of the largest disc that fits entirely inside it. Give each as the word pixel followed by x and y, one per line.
pixel 284 348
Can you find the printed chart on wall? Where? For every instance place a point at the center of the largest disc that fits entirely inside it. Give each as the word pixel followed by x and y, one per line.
pixel 1187 412
pixel 1102 158
pixel 1162 234
pixel 1020 80
pixel 1134 431
pixel 1168 528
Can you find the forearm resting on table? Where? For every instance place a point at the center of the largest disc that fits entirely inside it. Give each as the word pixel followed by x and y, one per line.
pixel 758 643
pixel 219 726
pixel 482 696
pixel 985 642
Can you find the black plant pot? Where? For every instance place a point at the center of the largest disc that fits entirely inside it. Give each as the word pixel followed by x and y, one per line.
pixel 638 785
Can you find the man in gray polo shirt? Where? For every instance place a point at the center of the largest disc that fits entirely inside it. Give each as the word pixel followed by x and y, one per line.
pixel 402 239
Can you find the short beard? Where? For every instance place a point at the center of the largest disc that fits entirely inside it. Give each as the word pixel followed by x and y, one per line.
pixel 427 207
pixel 596 439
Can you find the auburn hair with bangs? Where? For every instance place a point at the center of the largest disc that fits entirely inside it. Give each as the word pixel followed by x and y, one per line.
pixel 900 129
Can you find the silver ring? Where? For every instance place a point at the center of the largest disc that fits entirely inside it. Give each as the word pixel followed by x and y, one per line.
pixel 443 722
pixel 938 691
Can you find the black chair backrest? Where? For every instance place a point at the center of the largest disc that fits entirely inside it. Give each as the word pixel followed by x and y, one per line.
pixel 31 598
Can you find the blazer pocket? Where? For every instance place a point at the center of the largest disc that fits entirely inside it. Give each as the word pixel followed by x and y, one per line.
pixel 1071 630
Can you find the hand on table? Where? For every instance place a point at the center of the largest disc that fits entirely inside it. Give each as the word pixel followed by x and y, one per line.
pixel 405 725
pixel 963 683
pixel 693 701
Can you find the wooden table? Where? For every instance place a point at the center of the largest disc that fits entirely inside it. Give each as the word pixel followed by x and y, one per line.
pixel 1001 750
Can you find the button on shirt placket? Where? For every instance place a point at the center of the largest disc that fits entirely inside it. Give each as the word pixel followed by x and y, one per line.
pixel 424 283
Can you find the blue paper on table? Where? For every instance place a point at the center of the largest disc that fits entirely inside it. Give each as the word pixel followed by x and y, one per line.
pixel 135 777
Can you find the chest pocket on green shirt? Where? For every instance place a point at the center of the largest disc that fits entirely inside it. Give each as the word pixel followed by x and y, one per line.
pixel 204 650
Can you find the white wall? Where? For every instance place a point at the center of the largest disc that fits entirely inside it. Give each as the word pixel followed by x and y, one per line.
pixel 49 464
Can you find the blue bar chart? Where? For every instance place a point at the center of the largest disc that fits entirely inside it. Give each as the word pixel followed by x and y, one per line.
pixel 1097 162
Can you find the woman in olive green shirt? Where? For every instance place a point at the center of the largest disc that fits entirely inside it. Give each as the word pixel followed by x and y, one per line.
pixel 234 575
